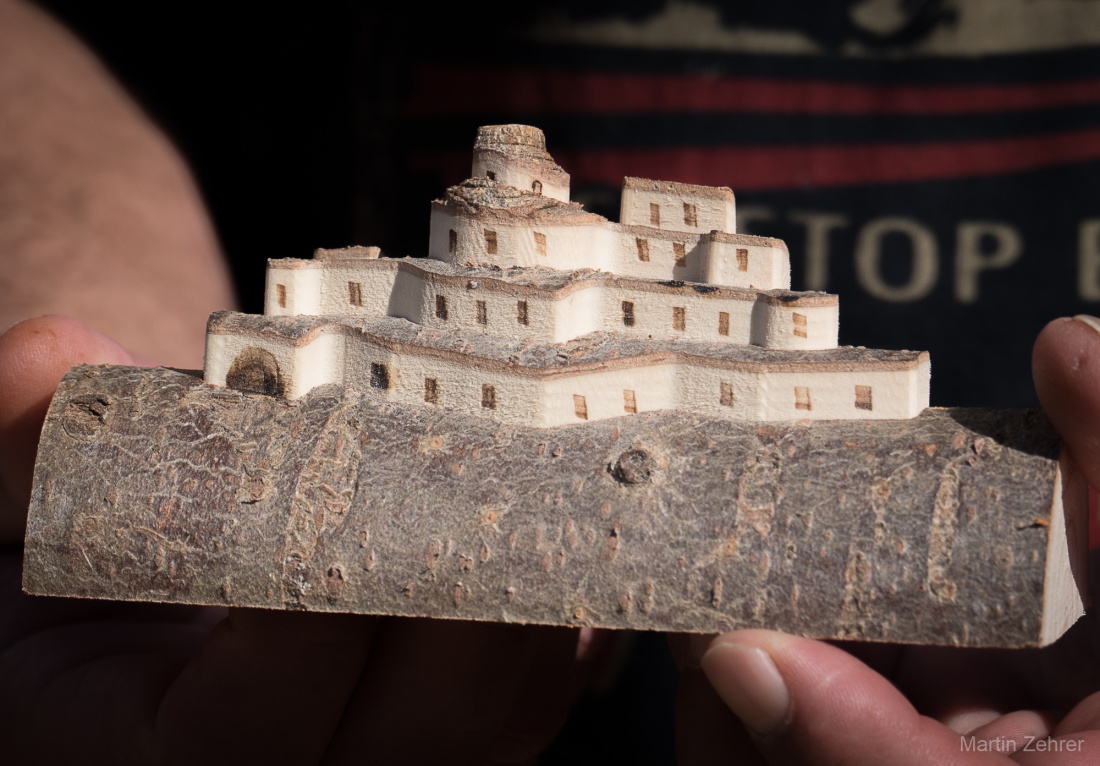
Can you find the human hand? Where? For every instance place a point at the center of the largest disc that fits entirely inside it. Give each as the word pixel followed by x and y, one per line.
pixel 765 697
pixel 97 682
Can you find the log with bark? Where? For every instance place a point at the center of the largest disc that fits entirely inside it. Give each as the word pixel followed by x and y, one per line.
pixel 961 526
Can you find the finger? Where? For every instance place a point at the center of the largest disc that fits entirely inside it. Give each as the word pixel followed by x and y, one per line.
pixel 461 681
pixel 34 356
pixel 268 687
pixel 807 702
pixel 1066 369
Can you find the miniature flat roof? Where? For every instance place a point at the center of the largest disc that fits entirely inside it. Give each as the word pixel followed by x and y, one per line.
pixel 484 199
pixel 678 189
pixel 539 280
pixel 523 140
pixel 597 350
pixel 744 239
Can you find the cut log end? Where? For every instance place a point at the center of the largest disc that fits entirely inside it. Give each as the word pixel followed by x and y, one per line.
pixel 1065 591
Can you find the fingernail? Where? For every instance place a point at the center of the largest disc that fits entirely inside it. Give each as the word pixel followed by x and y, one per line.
pixel 1091 322
pixel 749 682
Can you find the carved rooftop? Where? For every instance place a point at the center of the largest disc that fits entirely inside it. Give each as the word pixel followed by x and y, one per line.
pixel 530 309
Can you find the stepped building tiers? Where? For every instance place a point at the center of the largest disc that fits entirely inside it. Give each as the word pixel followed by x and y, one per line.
pixel 533 311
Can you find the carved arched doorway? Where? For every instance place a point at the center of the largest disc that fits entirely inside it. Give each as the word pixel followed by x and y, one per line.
pixel 255 371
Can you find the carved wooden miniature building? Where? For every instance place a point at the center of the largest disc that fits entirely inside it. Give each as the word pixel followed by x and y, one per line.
pixel 531 310
pixel 395 489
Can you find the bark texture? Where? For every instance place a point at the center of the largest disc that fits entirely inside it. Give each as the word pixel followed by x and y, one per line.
pixel 152 486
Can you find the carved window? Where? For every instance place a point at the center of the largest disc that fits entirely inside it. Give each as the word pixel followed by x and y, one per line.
pixel 488 397
pixel 725 394
pixel 690 218
pixel 536 187
pixel 630 403
pixel 490 175
pixel 679 318
pixel 742 259
pixel 802 398
pixel 379 375
pixel 441 307
pixel 643 248
pixel 580 407
pixel 280 295
pixel 628 314
pixel 863 398
pixel 723 323
pixel 491 242
pixel 680 252
pixel 521 312
pixel 431 390
pixel 800 328
pixel 452 241
pixel 355 293
pixel 654 214
pixel 482 312
pixel 540 243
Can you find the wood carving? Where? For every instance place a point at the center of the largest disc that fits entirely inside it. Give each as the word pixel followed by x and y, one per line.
pixel 529 309
pixel 557 419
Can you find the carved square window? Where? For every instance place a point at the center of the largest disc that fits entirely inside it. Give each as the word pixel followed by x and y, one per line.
pixel 441 307
pixel 482 312
pixel 723 323
pixel 540 243
pixel 801 329
pixel 379 375
pixel 280 295
pixel 802 399
pixel 431 390
pixel 680 252
pixel 725 394
pixel 491 242
pixel 521 312
pixel 690 217
pixel 355 293
pixel 630 403
pixel 488 397
pixel 452 241
pixel 679 318
pixel 742 259
pixel 628 314
pixel 580 407
pixel 643 248
pixel 863 398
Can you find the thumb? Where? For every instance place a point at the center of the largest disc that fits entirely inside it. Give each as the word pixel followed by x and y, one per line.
pixel 34 356
pixel 806 702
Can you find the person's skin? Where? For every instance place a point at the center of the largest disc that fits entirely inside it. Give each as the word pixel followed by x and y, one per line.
pixel 100 220
pixel 99 217
pixel 759 697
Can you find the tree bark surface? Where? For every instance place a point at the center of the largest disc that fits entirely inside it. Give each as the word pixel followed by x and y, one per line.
pixel 946 529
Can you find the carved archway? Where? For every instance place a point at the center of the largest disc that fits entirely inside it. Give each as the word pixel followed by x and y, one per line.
pixel 255 371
